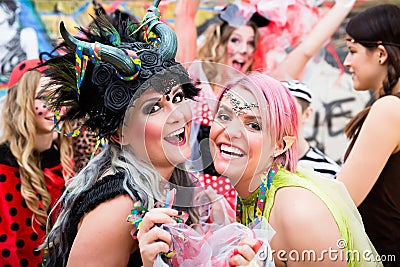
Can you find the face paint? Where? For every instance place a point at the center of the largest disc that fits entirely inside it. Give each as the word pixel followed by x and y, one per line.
pixel 44 118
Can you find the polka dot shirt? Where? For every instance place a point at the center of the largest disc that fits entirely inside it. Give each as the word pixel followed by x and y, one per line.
pixel 202 112
pixel 20 235
pixel 204 116
pixel 221 185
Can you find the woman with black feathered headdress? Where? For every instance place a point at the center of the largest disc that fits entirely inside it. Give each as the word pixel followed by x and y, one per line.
pixel 125 86
pixel 84 145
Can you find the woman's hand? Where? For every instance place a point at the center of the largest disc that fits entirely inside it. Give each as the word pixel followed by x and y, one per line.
pixel 152 239
pixel 245 252
pixel 221 211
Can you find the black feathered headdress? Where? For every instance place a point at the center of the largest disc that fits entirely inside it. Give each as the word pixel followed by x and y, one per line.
pixel 100 74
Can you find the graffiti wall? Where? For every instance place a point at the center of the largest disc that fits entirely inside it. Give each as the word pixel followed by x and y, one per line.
pixel 31 27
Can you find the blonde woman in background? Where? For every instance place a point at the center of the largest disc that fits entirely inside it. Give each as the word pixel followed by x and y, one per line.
pixel 33 167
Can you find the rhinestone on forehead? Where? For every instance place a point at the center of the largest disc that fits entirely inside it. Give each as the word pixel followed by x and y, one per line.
pixel 236 107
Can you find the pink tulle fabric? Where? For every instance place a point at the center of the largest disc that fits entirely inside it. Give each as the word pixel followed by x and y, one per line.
pixel 211 244
pixel 211 241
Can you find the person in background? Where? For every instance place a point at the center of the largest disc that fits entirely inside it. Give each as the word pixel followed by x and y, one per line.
pixel 309 156
pixel 233 40
pixel 34 167
pixel 371 168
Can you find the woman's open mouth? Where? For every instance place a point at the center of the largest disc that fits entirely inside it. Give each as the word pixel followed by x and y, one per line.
pixel 237 65
pixel 177 137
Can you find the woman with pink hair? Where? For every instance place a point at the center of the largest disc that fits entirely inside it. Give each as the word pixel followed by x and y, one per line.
pixel 254 145
pixel 229 48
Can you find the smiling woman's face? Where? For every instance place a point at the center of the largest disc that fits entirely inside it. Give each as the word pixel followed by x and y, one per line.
pixel 157 128
pixel 240 145
pixel 365 68
pixel 44 118
pixel 240 49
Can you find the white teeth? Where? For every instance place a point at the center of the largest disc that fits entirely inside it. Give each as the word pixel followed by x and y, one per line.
pixel 233 151
pixel 176 133
pixel 239 62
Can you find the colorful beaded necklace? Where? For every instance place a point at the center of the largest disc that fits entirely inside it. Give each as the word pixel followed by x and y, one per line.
pixel 265 184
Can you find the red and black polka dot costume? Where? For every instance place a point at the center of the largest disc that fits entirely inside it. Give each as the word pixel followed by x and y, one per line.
pixel 203 115
pixel 20 235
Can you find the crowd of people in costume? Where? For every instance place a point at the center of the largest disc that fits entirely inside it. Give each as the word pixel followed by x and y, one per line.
pixel 202 159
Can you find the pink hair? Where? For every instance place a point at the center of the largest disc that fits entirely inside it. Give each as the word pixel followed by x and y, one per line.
pixel 278 111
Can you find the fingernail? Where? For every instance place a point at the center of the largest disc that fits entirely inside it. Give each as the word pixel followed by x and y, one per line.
pixel 170 254
pixel 257 245
pixel 235 252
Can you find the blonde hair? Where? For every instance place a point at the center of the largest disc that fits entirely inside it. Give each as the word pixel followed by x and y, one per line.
pixel 216 38
pixel 20 132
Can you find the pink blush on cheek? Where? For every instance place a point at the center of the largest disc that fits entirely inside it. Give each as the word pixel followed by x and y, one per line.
pixel 230 50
